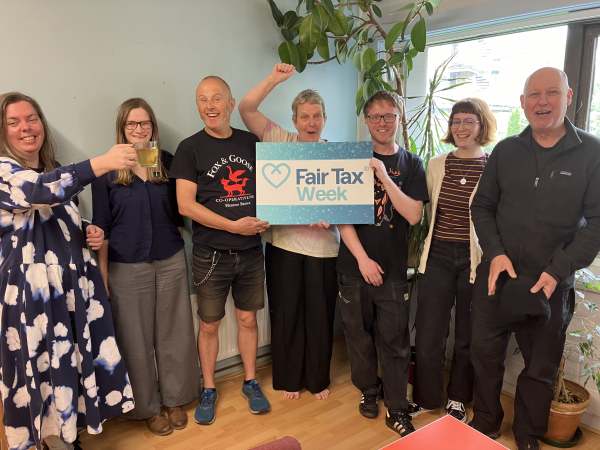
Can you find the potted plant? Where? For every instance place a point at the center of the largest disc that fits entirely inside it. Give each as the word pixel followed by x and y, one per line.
pixel 319 31
pixel 570 398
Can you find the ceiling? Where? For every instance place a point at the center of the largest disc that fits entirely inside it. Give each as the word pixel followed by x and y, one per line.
pixel 453 13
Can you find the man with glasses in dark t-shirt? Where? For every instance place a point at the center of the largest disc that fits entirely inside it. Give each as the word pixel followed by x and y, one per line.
pixel 215 171
pixel 373 299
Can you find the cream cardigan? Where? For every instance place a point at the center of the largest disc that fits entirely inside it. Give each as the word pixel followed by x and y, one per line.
pixel 435 175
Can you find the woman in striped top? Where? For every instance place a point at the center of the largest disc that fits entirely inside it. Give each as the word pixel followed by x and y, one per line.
pixel 450 255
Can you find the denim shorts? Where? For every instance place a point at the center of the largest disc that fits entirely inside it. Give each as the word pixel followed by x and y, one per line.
pixel 217 271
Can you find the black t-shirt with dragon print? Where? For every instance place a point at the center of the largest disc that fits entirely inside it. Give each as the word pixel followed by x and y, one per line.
pixel 386 241
pixel 223 169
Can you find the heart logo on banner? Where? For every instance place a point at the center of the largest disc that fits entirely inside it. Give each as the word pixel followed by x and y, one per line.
pixel 276 174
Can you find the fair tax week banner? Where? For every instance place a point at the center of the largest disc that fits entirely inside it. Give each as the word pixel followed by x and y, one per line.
pixel 307 182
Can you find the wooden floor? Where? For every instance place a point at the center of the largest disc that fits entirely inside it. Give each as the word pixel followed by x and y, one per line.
pixel 327 424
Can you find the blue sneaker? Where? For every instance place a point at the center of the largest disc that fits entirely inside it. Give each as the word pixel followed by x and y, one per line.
pixel 257 402
pixel 205 411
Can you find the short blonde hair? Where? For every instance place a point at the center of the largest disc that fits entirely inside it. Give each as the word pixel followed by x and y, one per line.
pixel 307 96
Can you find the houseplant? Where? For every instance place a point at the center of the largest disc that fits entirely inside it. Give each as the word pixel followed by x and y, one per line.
pixel 583 337
pixel 319 31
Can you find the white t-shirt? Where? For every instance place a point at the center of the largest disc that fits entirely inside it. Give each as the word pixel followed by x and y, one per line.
pixel 303 239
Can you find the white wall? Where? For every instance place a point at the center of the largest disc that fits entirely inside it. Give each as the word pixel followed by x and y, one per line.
pixel 81 59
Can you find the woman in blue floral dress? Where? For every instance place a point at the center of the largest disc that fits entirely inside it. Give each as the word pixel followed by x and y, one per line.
pixel 60 366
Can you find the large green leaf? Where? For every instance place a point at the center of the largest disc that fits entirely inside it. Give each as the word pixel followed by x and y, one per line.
pixel 393 35
pixel 396 59
pixel 276 13
pixel 328 4
pixel 302 59
pixel 310 34
pixel 429 8
pixel 337 23
pixel 290 20
pixel 288 53
pixel 359 100
pixel 357 60
pixel 321 16
pixel 341 50
pixel 377 66
pixel 368 58
pixel 363 36
pixel 290 25
pixel 323 47
pixel 409 62
pixel 418 35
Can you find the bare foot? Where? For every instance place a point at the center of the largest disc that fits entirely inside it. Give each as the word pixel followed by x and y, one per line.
pixel 322 395
pixel 291 395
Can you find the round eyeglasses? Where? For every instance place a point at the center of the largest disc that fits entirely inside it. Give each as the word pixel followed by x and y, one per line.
pixel 144 124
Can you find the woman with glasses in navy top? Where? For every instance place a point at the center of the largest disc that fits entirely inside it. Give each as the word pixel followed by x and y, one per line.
pixel 144 268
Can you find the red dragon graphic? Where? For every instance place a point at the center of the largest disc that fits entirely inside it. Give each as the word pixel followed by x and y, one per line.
pixel 234 185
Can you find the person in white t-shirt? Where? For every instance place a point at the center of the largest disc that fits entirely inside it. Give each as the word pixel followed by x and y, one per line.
pixel 300 259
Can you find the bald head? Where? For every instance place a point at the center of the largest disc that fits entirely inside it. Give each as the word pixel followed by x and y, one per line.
pixel 545 73
pixel 212 79
pixel 545 99
pixel 215 105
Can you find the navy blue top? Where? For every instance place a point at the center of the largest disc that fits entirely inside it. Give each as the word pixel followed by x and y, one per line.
pixel 139 220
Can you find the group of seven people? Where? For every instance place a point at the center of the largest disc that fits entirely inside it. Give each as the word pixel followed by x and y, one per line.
pixel 519 221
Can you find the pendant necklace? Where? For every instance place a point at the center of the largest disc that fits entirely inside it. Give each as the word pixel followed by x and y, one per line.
pixel 463 179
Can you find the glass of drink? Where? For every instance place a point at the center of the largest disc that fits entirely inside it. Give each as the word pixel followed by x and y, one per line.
pixel 147 153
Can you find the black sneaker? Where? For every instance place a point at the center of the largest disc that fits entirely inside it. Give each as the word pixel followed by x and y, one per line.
pixel 529 444
pixel 456 410
pixel 368 406
pixel 491 434
pixel 399 422
pixel 415 410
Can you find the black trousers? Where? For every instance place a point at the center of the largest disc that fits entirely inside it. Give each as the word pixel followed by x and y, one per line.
pixel 445 284
pixel 375 321
pixel 541 346
pixel 302 292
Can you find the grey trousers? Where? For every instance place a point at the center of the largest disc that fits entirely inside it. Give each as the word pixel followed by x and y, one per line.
pixel 154 330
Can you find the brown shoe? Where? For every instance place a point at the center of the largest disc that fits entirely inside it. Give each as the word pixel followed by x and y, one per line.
pixel 177 417
pixel 159 425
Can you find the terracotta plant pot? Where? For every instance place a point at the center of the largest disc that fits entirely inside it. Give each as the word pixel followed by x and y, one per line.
pixel 565 417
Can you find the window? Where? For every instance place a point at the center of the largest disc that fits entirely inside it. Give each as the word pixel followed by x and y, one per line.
pixel 495 69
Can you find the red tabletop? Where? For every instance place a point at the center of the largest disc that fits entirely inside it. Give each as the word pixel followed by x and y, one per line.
pixel 445 433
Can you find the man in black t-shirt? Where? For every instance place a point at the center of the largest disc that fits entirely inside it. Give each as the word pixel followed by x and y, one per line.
pixel 215 171
pixel 372 270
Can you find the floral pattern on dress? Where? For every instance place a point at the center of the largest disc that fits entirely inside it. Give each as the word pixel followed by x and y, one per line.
pixel 60 367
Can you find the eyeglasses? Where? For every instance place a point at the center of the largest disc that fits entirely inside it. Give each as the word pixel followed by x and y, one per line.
pixel 132 125
pixel 468 123
pixel 387 118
